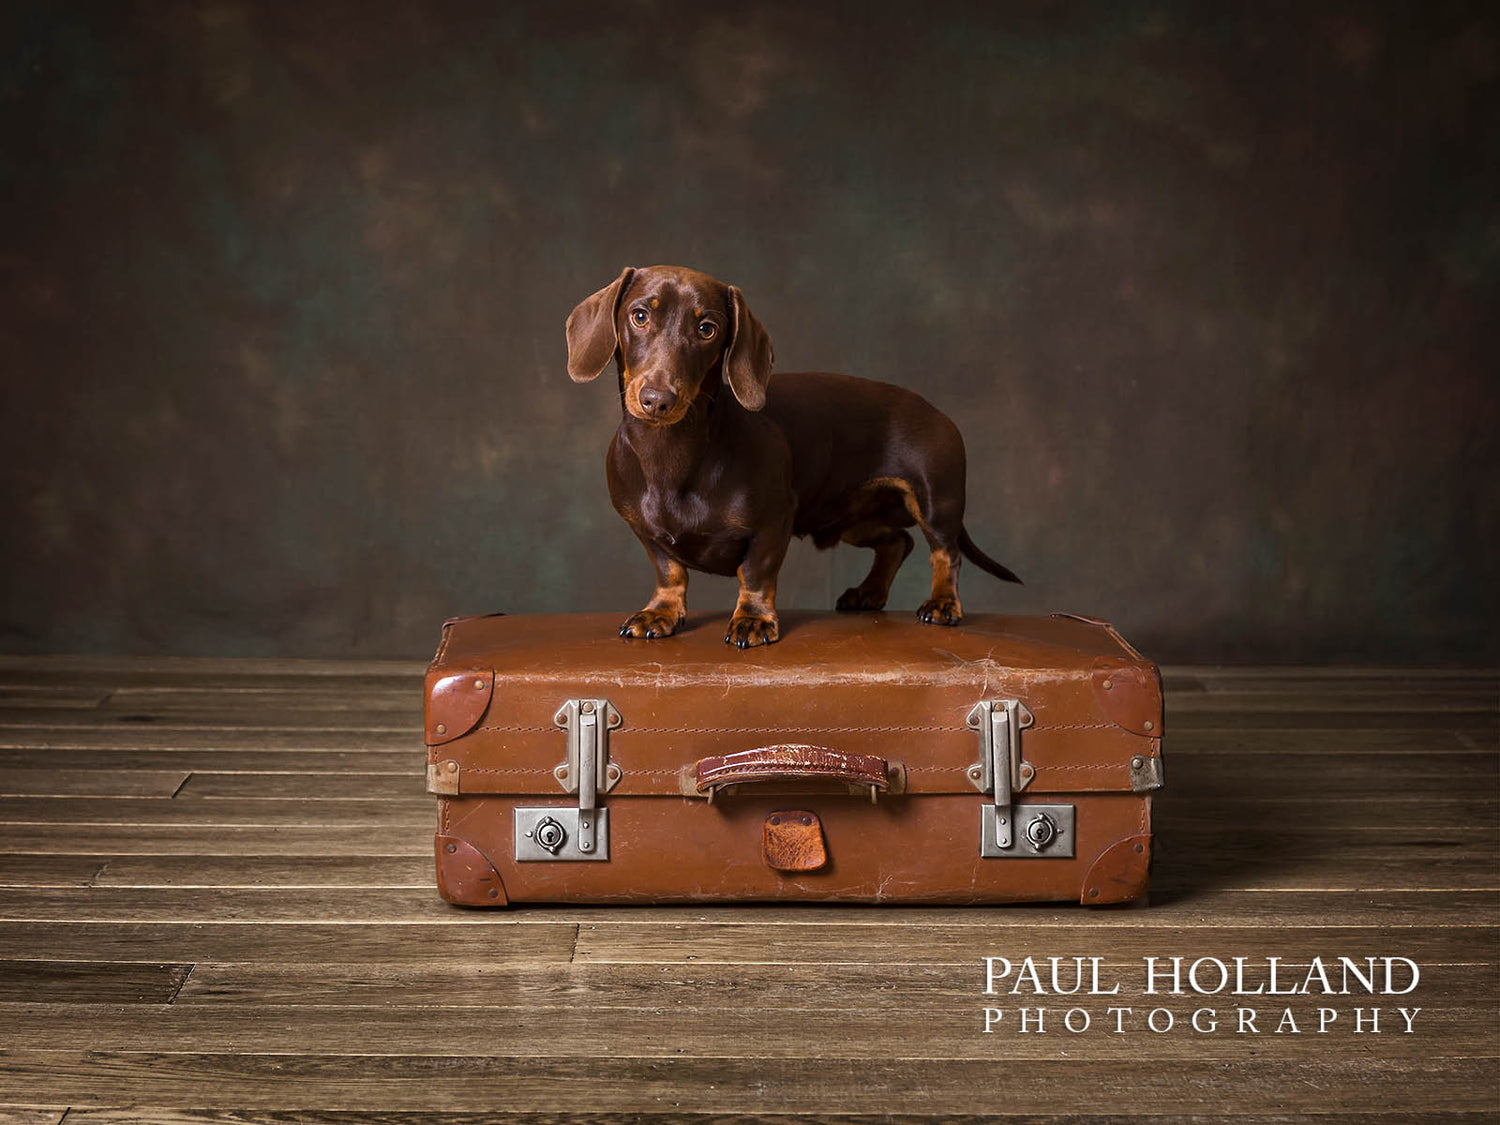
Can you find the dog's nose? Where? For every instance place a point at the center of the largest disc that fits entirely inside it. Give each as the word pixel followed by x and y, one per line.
pixel 657 401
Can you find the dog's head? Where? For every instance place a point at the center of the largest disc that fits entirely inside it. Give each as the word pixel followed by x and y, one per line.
pixel 671 327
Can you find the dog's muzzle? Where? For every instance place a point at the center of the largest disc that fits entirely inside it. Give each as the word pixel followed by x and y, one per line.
pixel 656 401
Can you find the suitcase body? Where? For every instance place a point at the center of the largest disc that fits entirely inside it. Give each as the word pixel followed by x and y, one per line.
pixel 863 758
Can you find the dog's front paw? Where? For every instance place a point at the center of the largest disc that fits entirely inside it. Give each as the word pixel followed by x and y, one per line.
pixel 747 631
pixel 651 623
pixel 940 611
pixel 853 600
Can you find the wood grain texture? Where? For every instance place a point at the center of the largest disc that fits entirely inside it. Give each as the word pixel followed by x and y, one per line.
pixel 1247 715
pixel 169 1116
pixel 369 872
pixel 352 698
pixel 218 760
pixel 1381 909
pixel 32 735
pixel 91 783
pixel 49 870
pixel 89 982
pixel 216 905
pixel 1373 701
pixel 305 785
pixel 31 1115
pixel 543 1084
pixel 1182 863
pixel 841 939
pixel 71 696
pixel 245 810
pixel 470 938
pixel 73 668
pixel 250 841
pixel 930 987
pixel 208 719
pixel 847 942
pixel 776 1035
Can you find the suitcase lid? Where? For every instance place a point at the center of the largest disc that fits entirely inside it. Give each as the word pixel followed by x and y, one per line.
pixel 860 686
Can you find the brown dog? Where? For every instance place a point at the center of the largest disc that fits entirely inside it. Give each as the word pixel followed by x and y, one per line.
pixel 721 482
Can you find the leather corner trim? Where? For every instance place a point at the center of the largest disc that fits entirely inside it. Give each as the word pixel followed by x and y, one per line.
pixel 464 876
pixel 456 702
pixel 793 841
pixel 1122 873
pixel 1129 695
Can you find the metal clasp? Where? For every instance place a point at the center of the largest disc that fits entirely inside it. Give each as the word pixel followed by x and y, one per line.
pixel 1002 772
pixel 581 832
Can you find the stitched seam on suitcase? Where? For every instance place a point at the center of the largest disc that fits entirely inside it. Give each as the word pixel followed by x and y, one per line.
pixel 726 729
pixel 542 770
pixel 786 730
pixel 1040 769
pixel 782 729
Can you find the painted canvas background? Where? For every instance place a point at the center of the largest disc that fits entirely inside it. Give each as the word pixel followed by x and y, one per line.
pixel 1210 290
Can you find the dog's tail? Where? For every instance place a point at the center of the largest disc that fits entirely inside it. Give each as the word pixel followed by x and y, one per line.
pixel 982 560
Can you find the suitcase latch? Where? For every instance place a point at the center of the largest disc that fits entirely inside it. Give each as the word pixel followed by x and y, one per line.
pixel 1043 830
pixel 581 832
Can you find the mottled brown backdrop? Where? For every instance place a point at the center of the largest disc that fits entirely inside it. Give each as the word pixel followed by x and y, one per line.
pixel 1208 287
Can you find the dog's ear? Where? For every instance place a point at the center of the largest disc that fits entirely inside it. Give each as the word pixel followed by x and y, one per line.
pixel 591 330
pixel 747 356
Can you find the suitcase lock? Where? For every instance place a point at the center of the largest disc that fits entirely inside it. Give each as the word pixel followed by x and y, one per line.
pixel 1000 772
pixel 581 832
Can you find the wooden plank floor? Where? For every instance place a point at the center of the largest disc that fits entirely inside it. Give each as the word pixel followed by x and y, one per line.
pixel 216 904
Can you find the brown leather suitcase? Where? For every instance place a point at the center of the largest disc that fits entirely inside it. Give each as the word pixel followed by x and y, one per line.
pixel 863 758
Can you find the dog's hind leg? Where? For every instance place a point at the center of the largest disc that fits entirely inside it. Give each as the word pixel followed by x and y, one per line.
pixel 943 607
pixel 942 526
pixel 891 546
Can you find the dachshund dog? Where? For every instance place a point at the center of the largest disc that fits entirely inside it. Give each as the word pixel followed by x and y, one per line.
pixel 720 482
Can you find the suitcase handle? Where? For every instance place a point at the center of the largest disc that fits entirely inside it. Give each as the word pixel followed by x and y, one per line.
pixel 791 763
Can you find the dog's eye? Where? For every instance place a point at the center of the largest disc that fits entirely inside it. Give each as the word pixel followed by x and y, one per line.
pixel 707 329
pixel 640 316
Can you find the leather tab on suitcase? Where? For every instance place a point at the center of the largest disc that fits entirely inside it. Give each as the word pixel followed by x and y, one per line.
pixel 793 841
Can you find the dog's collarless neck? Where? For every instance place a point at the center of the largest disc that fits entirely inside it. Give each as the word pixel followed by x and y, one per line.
pixel 672 455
